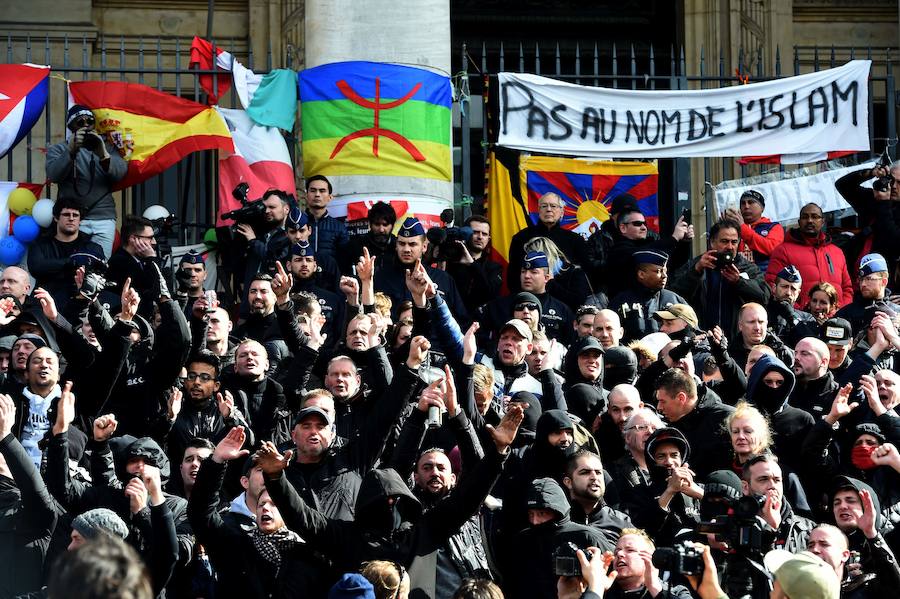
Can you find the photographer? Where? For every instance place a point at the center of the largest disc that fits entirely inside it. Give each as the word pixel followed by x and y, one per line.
pixel 878 208
pixel 86 168
pixel 477 277
pixel 720 280
pixel 267 242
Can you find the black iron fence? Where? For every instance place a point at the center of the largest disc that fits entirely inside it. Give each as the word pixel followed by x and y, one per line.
pixel 188 189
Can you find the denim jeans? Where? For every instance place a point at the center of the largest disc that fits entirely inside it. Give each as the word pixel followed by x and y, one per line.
pixel 102 232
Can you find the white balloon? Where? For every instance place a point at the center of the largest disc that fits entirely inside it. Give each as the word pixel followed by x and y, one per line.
pixel 42 212
pixel 156 212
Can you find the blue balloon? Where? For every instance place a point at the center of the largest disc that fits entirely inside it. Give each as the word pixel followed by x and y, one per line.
pixel 11 251
pixel 26 229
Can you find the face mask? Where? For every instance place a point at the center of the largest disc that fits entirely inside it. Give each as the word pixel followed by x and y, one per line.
pixel 861 456
pixel 767 399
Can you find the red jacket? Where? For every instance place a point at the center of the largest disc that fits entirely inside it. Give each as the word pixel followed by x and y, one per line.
pixel 817 260
pixel 759 240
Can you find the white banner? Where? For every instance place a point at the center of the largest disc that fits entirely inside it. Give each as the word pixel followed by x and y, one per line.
pixel 786 194
pixel 817 112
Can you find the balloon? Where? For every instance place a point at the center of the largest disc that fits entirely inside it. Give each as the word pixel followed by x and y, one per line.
pixel 26 229
pixel 211 239
pixel 11 251
pixel 21 201
pixel 43 212
pixel 156 212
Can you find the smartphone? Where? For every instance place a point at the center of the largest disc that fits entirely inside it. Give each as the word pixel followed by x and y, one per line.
pixel 686 215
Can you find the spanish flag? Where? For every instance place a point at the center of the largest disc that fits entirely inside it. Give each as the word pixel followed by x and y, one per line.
pixel 152 130
pixel 369 118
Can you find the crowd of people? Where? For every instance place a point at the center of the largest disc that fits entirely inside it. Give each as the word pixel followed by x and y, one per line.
pixel 364 420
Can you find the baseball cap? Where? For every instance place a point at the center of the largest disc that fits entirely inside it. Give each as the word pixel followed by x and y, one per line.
pixel 803 575
pixel 837 331
pixel 682 311
pixel 310 411
pixel 520 327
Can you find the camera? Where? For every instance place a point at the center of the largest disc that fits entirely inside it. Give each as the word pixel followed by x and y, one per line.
pixel 565 560
pixel 250 212
pixel 680 559
pixel 445 240
pixel 92 141
pixel 883 184
pixel 736 523
pixel 724 260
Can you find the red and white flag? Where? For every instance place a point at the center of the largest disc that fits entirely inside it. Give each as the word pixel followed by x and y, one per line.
pixel 260 158
pixel 794 158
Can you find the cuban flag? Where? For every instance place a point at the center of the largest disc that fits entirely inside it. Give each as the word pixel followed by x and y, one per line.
pixel 23 95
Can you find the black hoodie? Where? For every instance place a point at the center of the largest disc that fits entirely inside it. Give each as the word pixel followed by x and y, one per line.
pixel 790 425
pixel 528 568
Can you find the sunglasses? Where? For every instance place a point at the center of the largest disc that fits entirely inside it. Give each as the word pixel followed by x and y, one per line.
pixel 637 223
pixel 525 306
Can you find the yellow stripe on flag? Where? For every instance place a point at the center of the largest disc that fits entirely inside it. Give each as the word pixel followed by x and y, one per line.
pixel 356 158
pixel 504 213
pixel 155 133
pixel 584 166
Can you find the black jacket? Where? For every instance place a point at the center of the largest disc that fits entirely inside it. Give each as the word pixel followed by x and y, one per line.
pixel 241 569
pixel 704 428
pixel 638 324
pixel 528 563
pixel 478 283
pixel 400 532
pixel 815 396
pixel 48 263
pixel 571 243
pixel 27 522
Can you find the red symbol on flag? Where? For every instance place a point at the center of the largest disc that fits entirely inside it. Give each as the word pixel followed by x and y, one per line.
pixel 376 130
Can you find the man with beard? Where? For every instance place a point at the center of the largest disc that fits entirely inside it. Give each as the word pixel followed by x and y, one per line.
pixel 769 384
pixel 810 249
pixel 298 230
pixel 477 277
pixel 873 281
pixel 390 277
pixel 646 295
pixel 816 387
pixel 303 266
pixel 262 324
pixel 529 567
pixel 761 477
pixel 586 486
pixel 205 413
pixel 379 239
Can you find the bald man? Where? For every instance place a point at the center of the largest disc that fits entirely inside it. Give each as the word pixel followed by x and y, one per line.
pixel 607 328
pixel 551 208
pixel 816 387
pixel 16 282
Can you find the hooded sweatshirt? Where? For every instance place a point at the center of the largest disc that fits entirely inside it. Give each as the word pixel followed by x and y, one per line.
pixel 789 424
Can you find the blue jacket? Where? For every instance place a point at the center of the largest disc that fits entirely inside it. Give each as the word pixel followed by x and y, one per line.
pixel 328 234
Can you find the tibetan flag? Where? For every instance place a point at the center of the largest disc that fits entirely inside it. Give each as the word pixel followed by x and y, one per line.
pixel 23 95
pixel 7 187
pixel 269 99
pixel 152 130
pixel 260 158
pixel 370 118
pixel 587 188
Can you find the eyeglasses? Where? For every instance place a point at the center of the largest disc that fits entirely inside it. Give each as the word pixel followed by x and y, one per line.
pixel 641 427
pixel 873 278
pixel 811 217
pixel 147 237
pixel 549 206
pixel 205 378
pixel 637 223
pixel 527 306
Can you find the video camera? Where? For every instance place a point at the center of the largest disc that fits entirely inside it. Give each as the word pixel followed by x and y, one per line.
pixel 251 212
pixel 445 240
pixel 883 184
pixel 680 559
pixel 733 521
pixel 565 560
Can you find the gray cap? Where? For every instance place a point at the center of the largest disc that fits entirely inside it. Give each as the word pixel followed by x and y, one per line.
pixel 7 342
pixel 100 520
